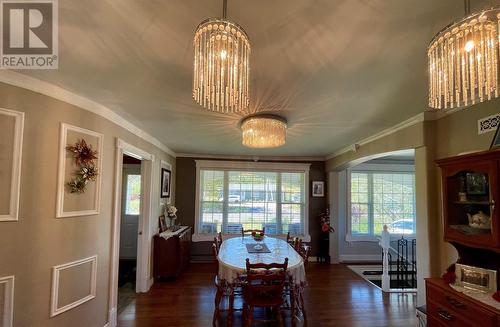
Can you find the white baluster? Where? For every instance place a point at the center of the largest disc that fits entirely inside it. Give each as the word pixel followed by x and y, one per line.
pixel 384 242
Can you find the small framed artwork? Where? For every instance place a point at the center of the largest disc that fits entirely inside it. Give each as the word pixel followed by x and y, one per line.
pixel 162 223
pixel 165 182
pixel 476 184
pixel 479 279
pixel 318 188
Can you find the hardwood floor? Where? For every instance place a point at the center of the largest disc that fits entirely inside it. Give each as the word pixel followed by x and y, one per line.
pixel 336 296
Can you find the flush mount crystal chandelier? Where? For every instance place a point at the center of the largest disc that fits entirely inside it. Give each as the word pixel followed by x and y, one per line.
pixel 463 61
pixel 221 65
pixel 264 131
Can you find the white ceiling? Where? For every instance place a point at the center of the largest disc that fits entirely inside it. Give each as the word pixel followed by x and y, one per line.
pixel 338 70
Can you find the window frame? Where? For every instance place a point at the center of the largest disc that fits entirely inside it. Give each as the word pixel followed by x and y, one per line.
pixel 374 168
pixel 278 167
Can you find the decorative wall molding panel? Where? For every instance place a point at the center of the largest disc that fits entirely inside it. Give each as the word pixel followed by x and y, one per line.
pixel 8 301
pixel 488 124
pixel 56 272
pixel 72 204
pixel 13 162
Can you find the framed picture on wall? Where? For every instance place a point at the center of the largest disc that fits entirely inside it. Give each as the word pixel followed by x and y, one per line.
pixel 318 188
pixel 165 182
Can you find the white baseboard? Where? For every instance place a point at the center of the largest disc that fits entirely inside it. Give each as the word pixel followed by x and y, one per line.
pixel 360 257
pixel 112 318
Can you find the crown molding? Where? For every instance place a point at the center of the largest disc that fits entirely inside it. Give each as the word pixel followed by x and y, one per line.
pixel 354 147
pixel 56 92
pixel 249 157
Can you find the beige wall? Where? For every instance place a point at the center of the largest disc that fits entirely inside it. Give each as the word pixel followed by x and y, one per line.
pixel 30 247
pixel 451 135
pixel 411 137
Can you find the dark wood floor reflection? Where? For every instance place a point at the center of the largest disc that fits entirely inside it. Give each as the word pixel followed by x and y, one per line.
pixel 335 297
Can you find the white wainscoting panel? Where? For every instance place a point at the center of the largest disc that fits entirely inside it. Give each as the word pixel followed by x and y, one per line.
pixel 15 185
pixel 56 270
pixel 8 301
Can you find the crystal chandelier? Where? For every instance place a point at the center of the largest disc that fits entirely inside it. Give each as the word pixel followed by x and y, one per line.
pixel 263 131
pixel 221 65
pixel 463 61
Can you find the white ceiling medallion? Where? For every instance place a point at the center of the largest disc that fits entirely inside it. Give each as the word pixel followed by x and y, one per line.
pixel 463 61
pixel 221 65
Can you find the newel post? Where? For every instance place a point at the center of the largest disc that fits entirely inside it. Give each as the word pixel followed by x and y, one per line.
pixel 384 242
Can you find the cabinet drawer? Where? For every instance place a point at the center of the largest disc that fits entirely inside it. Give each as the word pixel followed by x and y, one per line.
pixel 444 304
pixel 435 322
pixel 446 316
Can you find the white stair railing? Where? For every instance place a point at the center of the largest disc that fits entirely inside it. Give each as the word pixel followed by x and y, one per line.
pixel 385 243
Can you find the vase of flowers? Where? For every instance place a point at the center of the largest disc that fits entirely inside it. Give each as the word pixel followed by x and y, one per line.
pixel 171 214
pixel 324 242
pixel 324 219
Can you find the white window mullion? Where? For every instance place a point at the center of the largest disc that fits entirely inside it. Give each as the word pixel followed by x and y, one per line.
pixel 225 205
pixel 371 220
pixel 279 227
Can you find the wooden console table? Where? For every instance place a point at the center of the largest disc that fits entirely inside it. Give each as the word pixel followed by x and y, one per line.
pixel 171 254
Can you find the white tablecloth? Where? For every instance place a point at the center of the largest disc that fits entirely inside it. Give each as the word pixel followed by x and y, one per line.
pixel 233 254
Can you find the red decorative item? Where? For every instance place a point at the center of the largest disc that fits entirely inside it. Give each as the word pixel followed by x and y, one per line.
pixel 449 277
pixel 325 222
pixel 496 296
pixel 83 152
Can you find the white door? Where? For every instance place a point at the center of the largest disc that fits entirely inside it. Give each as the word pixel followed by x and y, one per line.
pixel 131 208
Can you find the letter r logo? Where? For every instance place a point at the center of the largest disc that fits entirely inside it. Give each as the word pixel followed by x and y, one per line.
pixel 27 27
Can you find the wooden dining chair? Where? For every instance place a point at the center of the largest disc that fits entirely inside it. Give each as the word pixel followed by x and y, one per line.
pixel 302 249
pixel 219 238
pixel 217 245
pixel 264 288
pixel 224 290
pixel 218 284
pixel 250 231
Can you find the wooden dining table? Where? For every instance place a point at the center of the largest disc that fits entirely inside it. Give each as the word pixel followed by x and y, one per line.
pixel 232 264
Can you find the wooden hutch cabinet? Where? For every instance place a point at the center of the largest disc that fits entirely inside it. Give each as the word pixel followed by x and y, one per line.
pixel 470 185
pixel 171 256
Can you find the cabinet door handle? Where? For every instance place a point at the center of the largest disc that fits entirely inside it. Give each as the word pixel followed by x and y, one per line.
pixel 492 207
pixel 444 314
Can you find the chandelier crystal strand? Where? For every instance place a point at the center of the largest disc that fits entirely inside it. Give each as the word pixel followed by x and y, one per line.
pixel 264 131
pixel 463 62
pixel 221 66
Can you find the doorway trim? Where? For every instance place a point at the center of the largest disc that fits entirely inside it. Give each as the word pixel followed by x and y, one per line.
pixel 143 244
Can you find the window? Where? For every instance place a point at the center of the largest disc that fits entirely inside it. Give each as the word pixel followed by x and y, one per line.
pixel 133 196
pixel 262 195
pixel 379 198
